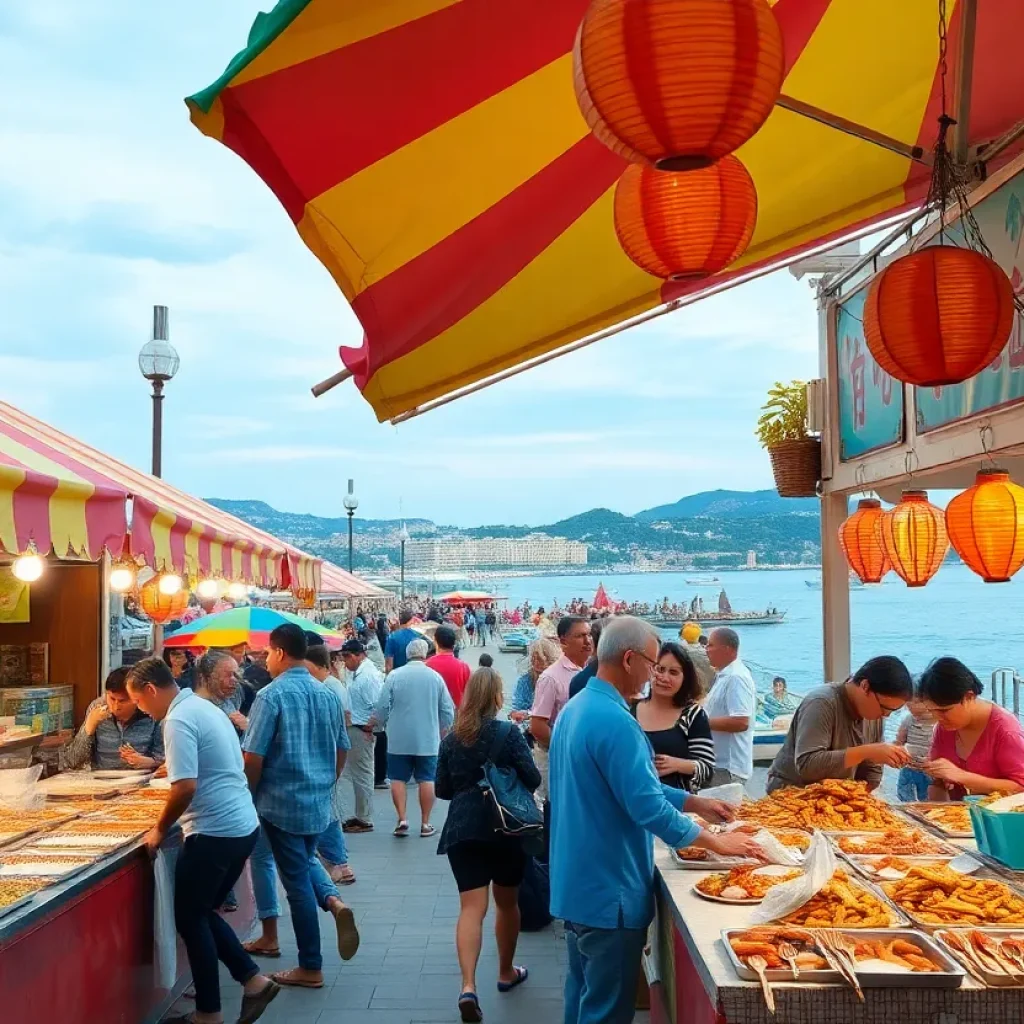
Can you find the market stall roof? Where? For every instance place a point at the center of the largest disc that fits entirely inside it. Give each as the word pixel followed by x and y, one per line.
pixel 432 155
pixel 468 597
pixel 70 498
pixel 335 582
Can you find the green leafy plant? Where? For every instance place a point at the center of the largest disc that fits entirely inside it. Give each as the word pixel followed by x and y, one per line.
pixel 784 415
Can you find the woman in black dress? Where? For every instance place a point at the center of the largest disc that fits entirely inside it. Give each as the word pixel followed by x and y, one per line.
pixel 481 859
pixel 676 725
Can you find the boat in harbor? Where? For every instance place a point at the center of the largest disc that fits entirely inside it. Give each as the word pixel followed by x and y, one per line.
pixel 703 581
pixel 855 582
pixel 726 615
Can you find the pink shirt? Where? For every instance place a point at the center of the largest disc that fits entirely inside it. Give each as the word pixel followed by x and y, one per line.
pixel 552 691
pixel 998 754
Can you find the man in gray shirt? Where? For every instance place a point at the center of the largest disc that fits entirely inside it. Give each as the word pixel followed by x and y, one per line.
pixel 837 730
pixel 417 710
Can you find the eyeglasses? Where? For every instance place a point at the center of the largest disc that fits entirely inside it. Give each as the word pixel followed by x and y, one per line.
pixel 884 708
pixel 651 662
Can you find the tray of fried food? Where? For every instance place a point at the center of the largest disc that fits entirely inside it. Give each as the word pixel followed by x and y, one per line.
pixel 951 819
pixel 907 841
pixel 844 902
pixel 16 892
pixel 43 865
pixel 146 813
pixel 994 958
pixel 890 867
pixel 835 805
pixel 15 825
pixel 744 885
pixel 694 858
pixel 879 955
pixel 941 897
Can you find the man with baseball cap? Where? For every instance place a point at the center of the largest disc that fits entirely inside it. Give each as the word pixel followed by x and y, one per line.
pixel 364 684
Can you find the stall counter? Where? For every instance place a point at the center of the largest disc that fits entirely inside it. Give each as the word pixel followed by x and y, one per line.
pixel 697 984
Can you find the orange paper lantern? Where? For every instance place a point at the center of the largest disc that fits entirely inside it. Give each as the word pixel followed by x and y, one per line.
pixel 861 540
pixel 938 316
pixel 159 607
pixel 677 83
pixel 685 224
pixel 914 537
pixel 986 526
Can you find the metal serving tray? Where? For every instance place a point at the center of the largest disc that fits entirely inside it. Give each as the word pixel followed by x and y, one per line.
pixel 946 848
pixel 18 904
pixel 985 976
pixel 931 928
pixel 861 863
pixel 951 974
pixel 916 811
pixel 713 862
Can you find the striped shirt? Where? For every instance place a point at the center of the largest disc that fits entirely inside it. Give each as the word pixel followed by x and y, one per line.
pixel 102 750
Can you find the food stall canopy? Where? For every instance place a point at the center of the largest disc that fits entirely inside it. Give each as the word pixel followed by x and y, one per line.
pixel 433 157
pixel 70 498
pixel 468 597
pixel 336 583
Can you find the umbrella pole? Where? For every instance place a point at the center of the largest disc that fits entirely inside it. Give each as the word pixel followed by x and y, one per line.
pixel 963 79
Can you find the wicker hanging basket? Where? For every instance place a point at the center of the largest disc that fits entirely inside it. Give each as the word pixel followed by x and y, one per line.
pixel 796 466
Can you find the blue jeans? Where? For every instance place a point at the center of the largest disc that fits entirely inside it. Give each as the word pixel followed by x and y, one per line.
pixel 307 886
pixel 912 785
pixel 604 968
pixel 264 879
pixel 330 844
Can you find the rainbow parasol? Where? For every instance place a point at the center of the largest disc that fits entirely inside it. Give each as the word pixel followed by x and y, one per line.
pixel 249 625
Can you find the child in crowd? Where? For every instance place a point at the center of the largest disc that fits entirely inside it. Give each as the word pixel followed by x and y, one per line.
pixel 915 733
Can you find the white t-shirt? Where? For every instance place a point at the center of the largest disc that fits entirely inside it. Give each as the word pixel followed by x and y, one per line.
pixel 733 696
pixel 201 743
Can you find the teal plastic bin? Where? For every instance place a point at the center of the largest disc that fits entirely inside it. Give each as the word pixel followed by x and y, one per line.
pixel 999 835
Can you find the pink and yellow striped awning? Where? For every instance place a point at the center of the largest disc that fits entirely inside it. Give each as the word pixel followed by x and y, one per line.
pixel 431 154
pixel 68 498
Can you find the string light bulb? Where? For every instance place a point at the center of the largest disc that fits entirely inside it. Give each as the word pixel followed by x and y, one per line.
pixel 237 591
pixel 29 567
pixel 122 578
pixel 170 584
pixel 207 589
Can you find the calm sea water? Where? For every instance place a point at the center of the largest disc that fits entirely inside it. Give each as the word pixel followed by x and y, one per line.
pixel 956 613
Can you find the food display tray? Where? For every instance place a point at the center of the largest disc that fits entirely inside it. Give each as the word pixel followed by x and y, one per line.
pixel 986 977
pixel 916 811
pixel 56 876
pixel 18 904
pixel 713 862
pixel 951 974
pixel 860 862
pixel 901 920
pixel 946 848
pixel 931 928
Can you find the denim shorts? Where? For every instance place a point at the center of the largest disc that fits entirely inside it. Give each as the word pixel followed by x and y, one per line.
pixel 402 767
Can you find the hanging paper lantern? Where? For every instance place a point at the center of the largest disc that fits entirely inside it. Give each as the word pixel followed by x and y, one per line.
pixel 677 83
pixel 986 526
pixel 160 607
pixel 914 537
pixel 938 316
pixel 685 224
pixel 861 540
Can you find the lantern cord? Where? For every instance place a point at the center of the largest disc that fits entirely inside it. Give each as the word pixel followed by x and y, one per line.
pixel 988 438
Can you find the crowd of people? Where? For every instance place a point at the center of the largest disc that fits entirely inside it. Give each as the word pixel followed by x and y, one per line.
pixel 272 758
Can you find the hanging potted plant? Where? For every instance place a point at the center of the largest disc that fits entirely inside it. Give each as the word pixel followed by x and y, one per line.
pixel 795 453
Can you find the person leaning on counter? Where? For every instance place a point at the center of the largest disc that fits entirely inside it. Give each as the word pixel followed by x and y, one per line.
pixel 836 731
pixel 116 735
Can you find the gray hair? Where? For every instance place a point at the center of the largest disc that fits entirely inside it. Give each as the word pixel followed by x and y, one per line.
pixel 624 633
pixel 417 649
pixel 546 648
pixel 727 636
pixel 208 663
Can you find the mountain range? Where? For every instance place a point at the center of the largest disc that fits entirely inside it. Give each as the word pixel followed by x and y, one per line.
pixel 709 529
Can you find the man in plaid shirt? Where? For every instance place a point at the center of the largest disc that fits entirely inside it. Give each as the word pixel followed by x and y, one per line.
pixel 294 752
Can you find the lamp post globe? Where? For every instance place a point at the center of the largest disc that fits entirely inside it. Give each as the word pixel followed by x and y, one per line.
pixel 351 503
pixel 158 363
pixel 403 537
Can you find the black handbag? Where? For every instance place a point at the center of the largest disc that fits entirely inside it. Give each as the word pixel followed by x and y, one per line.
pixel 514 813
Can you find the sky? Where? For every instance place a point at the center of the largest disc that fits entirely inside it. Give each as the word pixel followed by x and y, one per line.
pixel 111 202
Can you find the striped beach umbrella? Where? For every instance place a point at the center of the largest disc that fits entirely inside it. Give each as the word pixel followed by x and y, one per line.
pixel 250 625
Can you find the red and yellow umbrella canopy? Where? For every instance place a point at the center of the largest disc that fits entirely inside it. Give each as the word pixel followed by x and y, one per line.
pixel 432 155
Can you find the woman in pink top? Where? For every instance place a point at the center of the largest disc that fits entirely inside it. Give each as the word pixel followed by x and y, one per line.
pixel 978 747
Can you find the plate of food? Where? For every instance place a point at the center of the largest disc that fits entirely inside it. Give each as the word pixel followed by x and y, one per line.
pixel 744 886
pixel 994 958
pixel 940 897
pixel 843 902
pixel 951 819
pixel 878 954
pixel 834 805
pixel 905 842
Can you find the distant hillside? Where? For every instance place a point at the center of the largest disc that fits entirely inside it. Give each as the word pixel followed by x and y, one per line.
pixel 300 524
pixel 729 505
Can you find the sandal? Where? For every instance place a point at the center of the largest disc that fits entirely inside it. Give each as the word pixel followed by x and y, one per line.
pixel 254 948
pixel 469 1008
pixel 401 829
pixel 426 831
pixel 521 975
pixel 348 933
pixel 254 1006
pixel 288 978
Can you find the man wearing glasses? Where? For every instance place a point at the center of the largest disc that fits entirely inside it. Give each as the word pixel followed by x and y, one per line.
pixel 837 730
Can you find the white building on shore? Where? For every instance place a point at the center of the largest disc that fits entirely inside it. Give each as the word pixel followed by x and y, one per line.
pixel 538 550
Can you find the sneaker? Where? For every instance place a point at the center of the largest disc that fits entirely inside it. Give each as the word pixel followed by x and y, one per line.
pixel 357 825
pixel 386 784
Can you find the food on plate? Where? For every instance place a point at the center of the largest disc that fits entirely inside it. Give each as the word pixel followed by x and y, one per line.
pixel 835 804
pixel 953 817
pixel 943 896
pixel 691 853
pixel 766 942
pixel 841 903
pixel 14 889
pixel 894 868
pixel 745 883
pixel 792 837
pixel 905 842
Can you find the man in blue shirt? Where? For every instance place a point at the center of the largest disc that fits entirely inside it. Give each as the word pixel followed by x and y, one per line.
pixel 606 802
pixel 294 752
pixel 398 643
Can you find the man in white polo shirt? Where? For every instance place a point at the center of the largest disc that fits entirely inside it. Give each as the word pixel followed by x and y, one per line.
pixel 731 707
pixel 210 798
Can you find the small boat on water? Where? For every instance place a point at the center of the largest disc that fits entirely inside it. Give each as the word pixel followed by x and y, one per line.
pixel 703 581
pixel 517 641
pixel 855 583
pixel 725 616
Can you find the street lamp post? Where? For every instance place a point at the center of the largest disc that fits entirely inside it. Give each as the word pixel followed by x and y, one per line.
pixel 351 503
pixel 403 536
pixel 158 362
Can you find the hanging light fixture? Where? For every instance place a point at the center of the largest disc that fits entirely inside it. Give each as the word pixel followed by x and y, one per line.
pixel 914 537
pixel 861 540
pixel 161 607
pixel 238 591
pixel 208 589
pixel 677 83
pixel 29 567
pixel 122 577
pixel 685 225
pixel 170 583
pixel 986 526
